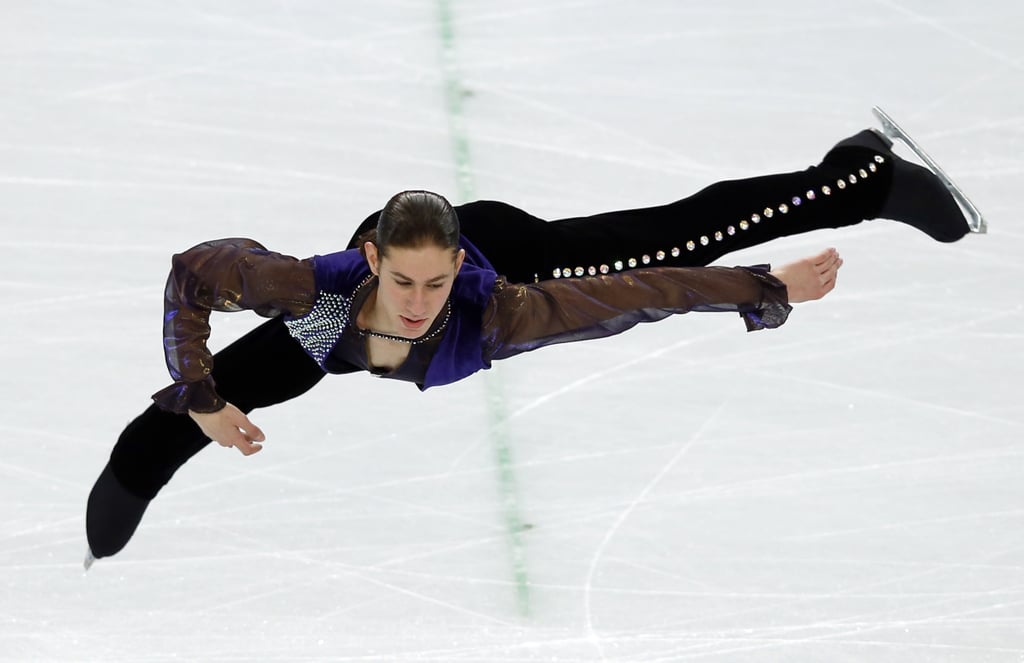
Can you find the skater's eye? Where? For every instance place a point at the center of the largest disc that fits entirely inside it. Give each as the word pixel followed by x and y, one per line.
pixel 433 285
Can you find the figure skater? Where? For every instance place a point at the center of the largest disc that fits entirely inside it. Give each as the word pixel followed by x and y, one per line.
pixel 429 293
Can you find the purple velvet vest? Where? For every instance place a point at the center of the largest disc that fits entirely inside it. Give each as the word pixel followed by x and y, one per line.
pixel 460 352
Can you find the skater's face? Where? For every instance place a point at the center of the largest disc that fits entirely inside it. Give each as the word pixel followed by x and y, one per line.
pixel 414 284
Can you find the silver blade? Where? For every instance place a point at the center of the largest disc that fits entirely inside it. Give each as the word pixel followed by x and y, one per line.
pixel 975 221
pixel 89 559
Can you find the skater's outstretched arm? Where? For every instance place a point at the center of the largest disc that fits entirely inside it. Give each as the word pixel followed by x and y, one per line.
pixel 521 317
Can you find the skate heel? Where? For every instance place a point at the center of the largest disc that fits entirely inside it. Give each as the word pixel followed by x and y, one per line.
pixel 892 131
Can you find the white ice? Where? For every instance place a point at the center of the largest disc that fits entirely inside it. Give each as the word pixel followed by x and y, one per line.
pixel 847 488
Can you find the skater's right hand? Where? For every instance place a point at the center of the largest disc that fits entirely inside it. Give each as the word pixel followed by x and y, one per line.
pixel 229 427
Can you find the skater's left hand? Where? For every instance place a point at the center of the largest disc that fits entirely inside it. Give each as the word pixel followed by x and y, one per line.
pixel 810 278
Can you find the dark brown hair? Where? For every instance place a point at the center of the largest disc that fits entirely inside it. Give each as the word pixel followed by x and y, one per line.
pixel 412 219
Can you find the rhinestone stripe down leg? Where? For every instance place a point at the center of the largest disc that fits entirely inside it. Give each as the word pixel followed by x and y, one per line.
pixel 809 196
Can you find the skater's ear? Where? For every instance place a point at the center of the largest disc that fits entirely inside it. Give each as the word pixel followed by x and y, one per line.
pixel 459 258
pixel 372 257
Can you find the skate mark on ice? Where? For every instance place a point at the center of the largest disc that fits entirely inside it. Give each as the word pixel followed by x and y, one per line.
pixel 950 32
pixel 595 560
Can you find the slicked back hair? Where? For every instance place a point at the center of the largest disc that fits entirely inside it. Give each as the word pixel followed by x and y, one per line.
pixel 413 219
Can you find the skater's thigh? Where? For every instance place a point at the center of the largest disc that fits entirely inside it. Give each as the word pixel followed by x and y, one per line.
pixel 264 367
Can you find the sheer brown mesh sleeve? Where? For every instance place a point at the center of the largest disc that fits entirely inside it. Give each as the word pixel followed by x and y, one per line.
pixel 520 318
pixel 222 275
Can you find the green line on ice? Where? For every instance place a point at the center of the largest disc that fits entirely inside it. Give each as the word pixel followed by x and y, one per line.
pixel 455 93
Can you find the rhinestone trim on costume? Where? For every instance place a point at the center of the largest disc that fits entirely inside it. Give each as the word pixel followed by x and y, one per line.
pixel 809 196
pixel 319 330
pixel 412 341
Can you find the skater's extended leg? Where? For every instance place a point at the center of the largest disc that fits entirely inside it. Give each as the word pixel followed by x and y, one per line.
pixel 849 185
pixel 859 179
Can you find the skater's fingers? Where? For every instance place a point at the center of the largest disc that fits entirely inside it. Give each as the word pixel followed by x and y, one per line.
pixel 237 438
pixel 229 437
pixel 829 262
pixel 830 270
pixel 829 274
pixel 252 431
pixel 245 436
pixel 826 256
pixel 248 448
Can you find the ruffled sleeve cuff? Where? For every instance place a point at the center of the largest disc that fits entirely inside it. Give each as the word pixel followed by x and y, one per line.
pixel 774 307
pixel 181 397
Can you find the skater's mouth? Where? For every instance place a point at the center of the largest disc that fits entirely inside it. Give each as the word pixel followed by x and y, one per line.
pixel 413 324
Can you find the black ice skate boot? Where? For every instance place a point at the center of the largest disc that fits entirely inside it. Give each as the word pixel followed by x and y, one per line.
pixel 924 198
pixel 148 452
pixel 112 515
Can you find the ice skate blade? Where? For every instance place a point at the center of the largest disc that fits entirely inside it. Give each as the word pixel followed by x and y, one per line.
pixel 975 221
pixel 89 559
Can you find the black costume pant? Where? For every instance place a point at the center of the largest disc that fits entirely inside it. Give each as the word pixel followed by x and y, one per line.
pixel 267 366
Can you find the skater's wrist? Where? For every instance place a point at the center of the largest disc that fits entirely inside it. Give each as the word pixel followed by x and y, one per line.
pixel 182 397
pixel 774 308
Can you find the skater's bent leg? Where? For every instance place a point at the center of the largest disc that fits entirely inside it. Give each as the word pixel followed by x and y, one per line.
pixel 264 367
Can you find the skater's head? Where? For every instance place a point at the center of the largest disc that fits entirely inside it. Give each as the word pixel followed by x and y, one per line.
pixel 415 253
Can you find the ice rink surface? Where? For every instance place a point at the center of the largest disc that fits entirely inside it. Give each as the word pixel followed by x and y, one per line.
pixel 846 488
